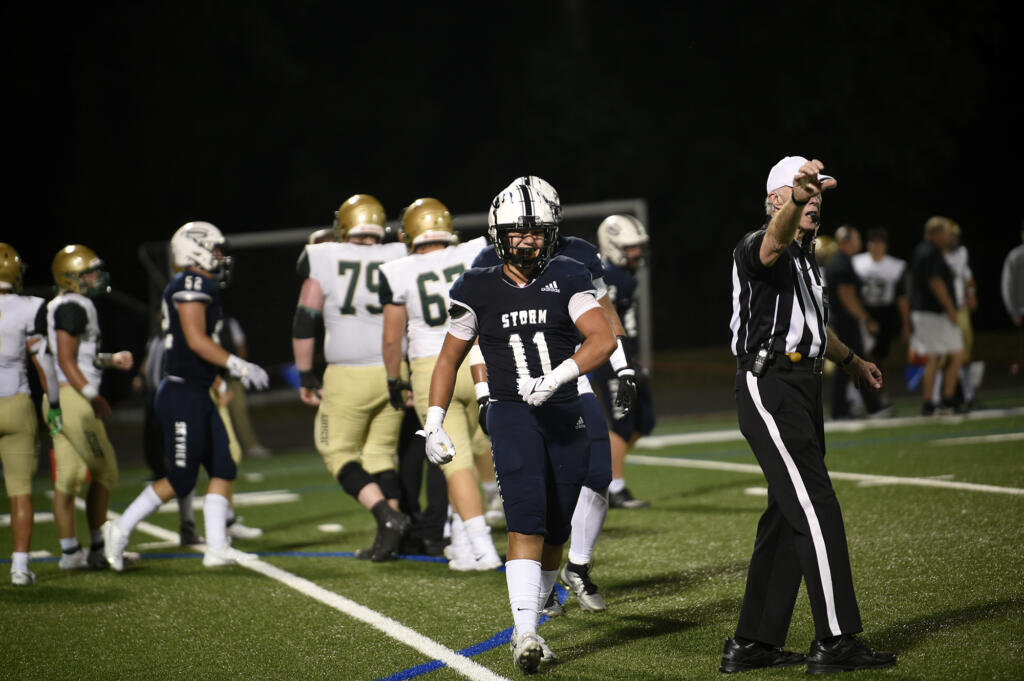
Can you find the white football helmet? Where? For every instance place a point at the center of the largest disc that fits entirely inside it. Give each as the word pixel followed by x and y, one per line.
pixel 618 232
pixel 544 188
pixel 194 244
pixel 518 208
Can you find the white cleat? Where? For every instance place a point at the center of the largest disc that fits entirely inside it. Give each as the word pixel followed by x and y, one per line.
pixel 470 563
pixel 552 608
pixel 494 516
pixel 548 656
pixel 74 561
pixel 227 556
pixel 114 542
pixel 237 530
pixel 527 651
pixel 23 577
pixel 579 582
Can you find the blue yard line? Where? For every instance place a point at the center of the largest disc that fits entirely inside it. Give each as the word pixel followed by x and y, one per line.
pixel 264 554
pixel 499 639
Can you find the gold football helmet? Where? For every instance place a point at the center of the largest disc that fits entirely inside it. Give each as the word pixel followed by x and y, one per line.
pixel 12 269
pixel 427 221
pixel 825 248
pixel 361 214
pixel 72 264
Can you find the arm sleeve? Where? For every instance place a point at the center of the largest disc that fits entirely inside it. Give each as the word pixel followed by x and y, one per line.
pixel 302 266
pixel 39 324
pixel 384 292
pixel 582 302
pixel 70 317
pixel 462 321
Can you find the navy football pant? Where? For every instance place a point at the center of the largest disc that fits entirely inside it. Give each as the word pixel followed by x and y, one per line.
pixel 194 435
pixel 599 471
pixel 540 458
pixel 801 533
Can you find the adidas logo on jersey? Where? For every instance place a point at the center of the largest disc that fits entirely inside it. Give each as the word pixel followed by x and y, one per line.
pixel 551 288
pixel 580 425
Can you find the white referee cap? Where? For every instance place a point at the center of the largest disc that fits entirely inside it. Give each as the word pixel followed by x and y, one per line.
pixel 783 172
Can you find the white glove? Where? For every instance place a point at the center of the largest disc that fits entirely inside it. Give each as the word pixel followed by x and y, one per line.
pixel 251 375
pixel 536 391
pixel 440 448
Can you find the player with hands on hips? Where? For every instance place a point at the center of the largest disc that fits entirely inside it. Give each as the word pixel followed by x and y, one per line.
pixel 194 433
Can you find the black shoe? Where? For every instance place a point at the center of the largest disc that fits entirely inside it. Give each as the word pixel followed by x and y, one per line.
pixel 624 499
pixel 742 657
pixel 189 534
pixel 96 559
pixel 434 547
pixel 928 409
pixel 390 534
pixel 369 551
pixel 845 655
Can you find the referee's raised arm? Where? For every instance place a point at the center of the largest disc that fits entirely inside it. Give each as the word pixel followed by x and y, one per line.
pixel 793 204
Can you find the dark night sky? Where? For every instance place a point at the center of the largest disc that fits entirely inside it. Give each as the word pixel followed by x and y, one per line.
pixel 128 121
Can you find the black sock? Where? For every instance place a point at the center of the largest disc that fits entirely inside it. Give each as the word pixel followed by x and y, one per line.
pixel 381 511
pixel 74 549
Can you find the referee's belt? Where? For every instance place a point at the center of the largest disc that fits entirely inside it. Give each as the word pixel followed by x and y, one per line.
pixel 792 361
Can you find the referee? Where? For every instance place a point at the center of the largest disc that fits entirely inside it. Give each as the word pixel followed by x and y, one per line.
pixel 780 337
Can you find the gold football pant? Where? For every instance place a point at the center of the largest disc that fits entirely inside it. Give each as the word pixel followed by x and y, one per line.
pixel 355 422
pixel 82 446
pixel 18 443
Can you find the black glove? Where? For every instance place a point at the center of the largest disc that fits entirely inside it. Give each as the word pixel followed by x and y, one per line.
pixel 395 388
pixel 309 379
pixel 625 396
pixel 484 403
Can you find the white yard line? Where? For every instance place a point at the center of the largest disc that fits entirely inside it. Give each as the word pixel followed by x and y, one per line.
pixel 852 426
pixel 401 633
pixel 836 475
pixel 979 439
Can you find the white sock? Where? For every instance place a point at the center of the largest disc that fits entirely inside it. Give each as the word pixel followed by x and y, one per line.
pixel 491 486
pixel 215 514
pixel 936 397
pixel 19 561
pixel 460 539
pixel 547 583
pixel 479 535
pixel 69 545
pixel 523 578
pixel 185 511
pixel 587 521
pixel 966 387
pixel 618 484
pixel 144 504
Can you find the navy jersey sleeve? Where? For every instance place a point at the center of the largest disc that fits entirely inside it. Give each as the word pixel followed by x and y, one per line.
pixel 583 252
pixel 748 254
pixel 70 317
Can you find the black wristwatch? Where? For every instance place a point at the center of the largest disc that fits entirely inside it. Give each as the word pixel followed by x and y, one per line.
pixel 846 360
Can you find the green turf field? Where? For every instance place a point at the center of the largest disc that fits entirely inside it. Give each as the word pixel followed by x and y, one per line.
pixel 939 573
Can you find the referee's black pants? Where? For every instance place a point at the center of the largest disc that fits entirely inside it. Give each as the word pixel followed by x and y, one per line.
pixel 800 534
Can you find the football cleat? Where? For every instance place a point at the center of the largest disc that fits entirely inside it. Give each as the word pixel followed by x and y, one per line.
pixel 74 561
pixel 625 499
pixel 23 577
pixel 469 563
pixel 114 542
pixel 494 514
pixel 226 556
pixel 96 560
pixel 391 533
pixel 577 578
pixel 527 651
pixel 237 530
pixel 189 535
pixel 552 608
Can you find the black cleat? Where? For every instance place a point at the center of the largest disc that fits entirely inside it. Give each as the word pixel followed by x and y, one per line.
pixel 189 535
pixel 96 559
pixel 743 657
pixel 390 533
pixel 369 551
pixel 624 499
pixel 846 655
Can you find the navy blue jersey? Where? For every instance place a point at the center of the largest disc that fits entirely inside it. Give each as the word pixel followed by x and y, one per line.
pixel 180 361
pixel 524 332
pixel 622 292
pixel 578 249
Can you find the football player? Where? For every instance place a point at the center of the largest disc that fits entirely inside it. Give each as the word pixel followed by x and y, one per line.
pixel 21 336
pixel 414 292
pixel 194 432
pixel 529 314
pixel 592 507
pixel 356 430
pixel 82 445
pixel 623 241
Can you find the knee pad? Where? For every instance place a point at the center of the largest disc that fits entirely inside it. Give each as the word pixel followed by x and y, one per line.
pixel 353 478
pixel 389 484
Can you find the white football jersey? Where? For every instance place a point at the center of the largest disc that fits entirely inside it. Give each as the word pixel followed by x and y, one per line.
pixel 421 283
pixel 349 276
pixel 88 341
pixel 880 280
pixel 17 326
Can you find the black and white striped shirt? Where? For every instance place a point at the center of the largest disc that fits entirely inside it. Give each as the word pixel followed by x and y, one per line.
pixel 787 302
